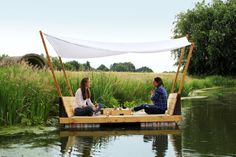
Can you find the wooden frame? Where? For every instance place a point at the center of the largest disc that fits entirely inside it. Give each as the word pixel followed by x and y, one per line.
pixel 177 73
pixel 69 87
pixel 50 64
pixel 67 82
pixel 52 69
pixel 125 118
pixel 186 68
pixel 121 119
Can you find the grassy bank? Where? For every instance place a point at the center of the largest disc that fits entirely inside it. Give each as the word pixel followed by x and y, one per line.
pixel 28 96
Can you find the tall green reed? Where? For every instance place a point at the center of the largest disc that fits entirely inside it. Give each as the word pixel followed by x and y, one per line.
pixel 25 95
pixel 28 95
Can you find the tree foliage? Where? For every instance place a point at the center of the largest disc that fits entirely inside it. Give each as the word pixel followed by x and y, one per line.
pixel 123 67
pixel 3 56
pixel 144 69
pixel 76 66
pixel 56 64
pixel 102 67
pixel 71 65
pixel 212 28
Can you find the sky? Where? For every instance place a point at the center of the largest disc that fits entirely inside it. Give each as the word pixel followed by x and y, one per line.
pixel 99 20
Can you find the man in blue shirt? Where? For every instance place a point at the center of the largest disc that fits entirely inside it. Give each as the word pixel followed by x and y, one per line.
pixel 158 97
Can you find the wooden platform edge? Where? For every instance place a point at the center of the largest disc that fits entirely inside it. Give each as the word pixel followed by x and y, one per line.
pixel 121 119
pixel 118 133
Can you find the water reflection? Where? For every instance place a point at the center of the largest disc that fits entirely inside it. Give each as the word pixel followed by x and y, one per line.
pixel 98 143
pixel 82 145
pixel 210 123
pixel 159 144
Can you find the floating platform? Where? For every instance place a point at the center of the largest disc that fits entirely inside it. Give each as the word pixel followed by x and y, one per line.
pixel 120 116
pixel 135 118
pixel 143 119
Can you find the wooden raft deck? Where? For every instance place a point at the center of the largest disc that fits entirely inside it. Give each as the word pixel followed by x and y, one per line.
pixel 135 118
pixel 112 116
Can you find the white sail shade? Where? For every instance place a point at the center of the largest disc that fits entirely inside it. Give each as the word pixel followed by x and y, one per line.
pixel 92 49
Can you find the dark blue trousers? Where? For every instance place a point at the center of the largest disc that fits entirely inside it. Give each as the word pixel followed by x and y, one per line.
pixel 149 109
pixel 85 111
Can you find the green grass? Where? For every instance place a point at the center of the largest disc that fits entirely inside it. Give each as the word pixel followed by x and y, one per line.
pixel 28 96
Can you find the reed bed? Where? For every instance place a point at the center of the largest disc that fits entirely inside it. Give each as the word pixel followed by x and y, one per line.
pixel 28 96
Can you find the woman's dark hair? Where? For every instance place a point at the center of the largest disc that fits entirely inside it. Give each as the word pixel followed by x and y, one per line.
pixel 159 81
pixel 85 91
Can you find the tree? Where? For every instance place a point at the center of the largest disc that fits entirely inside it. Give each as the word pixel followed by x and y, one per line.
pixel 212 28
pixel 144 69
pixel 3 56
pixel 123 67
pixel 72 65
pixel 87 66
pixel 102 67
pixel 69 67
pixel 56 64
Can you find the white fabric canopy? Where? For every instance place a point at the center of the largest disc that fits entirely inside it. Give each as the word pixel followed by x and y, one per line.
pixel 92 49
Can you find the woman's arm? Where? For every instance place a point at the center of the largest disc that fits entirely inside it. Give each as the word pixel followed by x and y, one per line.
pixel 89 102
pixel 155 95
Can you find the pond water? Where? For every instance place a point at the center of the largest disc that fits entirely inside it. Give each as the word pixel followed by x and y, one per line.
pixel 208 129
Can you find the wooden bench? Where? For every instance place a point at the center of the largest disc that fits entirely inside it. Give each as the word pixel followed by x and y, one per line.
pixel 67 104
pixel 173 104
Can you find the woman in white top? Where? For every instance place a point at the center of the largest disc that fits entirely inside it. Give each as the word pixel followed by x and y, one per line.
pixel 83 105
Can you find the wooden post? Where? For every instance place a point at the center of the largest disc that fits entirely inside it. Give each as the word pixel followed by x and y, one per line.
pixel 67 82
pixel 177 73
pixel 50 64
pixel 186 68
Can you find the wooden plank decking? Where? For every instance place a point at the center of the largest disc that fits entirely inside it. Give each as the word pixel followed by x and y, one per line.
pixel 136 118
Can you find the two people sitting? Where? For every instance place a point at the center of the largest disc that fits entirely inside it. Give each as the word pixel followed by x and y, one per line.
pixel 84 107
